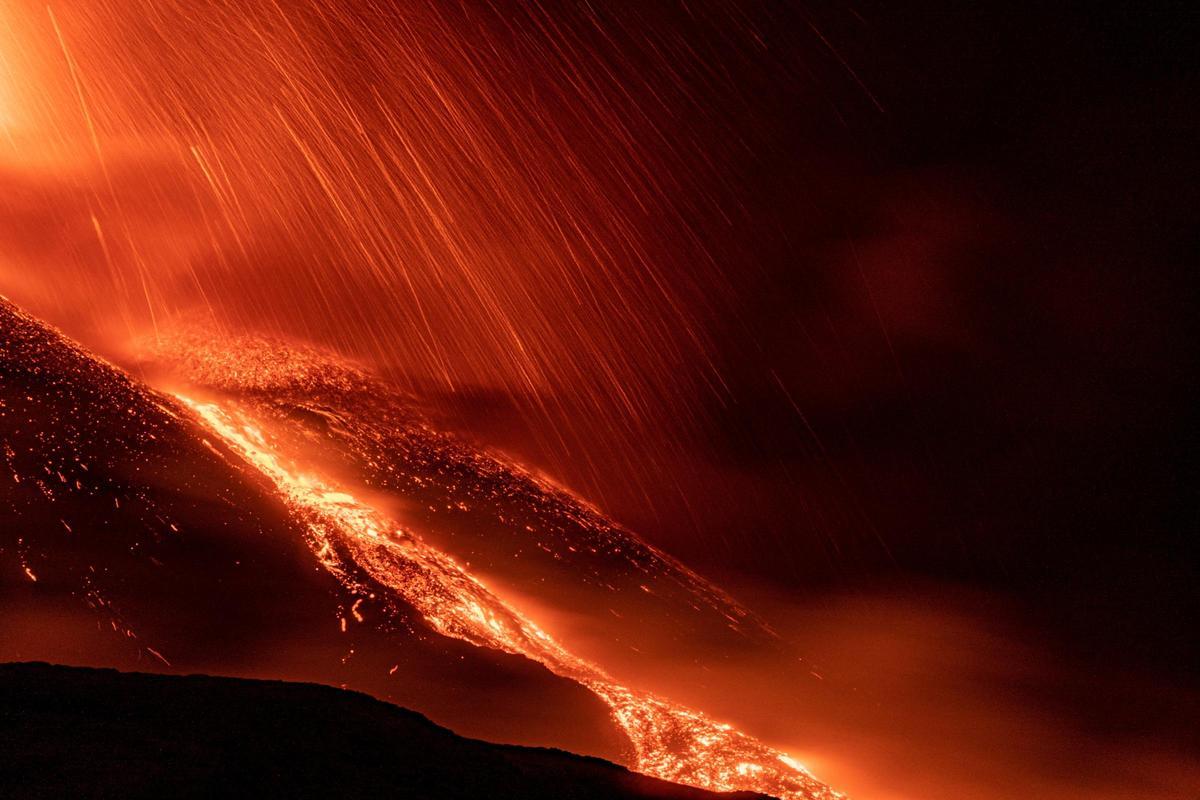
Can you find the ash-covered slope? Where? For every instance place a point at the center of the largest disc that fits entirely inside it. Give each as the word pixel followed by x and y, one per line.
pixel 69 732
pixel 269 536
pixel 129 538
pixel 517 528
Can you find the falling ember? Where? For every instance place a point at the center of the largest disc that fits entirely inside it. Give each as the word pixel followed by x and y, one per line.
pixel 494 205
pixel 508 198
pixel 669 741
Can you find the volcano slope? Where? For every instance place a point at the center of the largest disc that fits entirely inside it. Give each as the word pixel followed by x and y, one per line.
pixel 218 534
pixel 412 505
pixel 519 529
pixel 130 539
pixel 70 732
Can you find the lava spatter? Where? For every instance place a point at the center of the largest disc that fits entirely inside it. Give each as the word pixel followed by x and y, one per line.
pixel 516 526
pixel 179 558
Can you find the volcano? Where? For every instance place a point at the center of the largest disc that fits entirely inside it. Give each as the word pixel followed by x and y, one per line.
pixel 265 511
pixel 120 512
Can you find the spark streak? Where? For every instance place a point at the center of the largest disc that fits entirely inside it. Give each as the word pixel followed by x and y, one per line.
pixel 526 198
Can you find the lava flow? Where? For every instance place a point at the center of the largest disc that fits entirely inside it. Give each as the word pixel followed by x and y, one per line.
pixel 670 741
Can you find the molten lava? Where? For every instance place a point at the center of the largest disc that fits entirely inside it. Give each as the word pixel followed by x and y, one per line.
pixel 669 741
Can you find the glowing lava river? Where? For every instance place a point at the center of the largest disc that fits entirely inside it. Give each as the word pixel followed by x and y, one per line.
pixel 670 741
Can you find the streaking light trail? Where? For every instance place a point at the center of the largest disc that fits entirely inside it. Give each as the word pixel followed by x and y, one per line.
pixel 513 198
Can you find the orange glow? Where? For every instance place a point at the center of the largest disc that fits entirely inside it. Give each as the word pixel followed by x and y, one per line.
pixel 497 213
pixel 10 76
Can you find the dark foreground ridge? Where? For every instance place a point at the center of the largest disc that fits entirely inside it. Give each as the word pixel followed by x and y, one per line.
pixel 79 732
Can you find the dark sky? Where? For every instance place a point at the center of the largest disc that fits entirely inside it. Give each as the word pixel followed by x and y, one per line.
pixel 963 346
pixel 1026 425
pixel 958 345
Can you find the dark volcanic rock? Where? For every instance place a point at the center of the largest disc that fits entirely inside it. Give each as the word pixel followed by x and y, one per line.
pixel 76 732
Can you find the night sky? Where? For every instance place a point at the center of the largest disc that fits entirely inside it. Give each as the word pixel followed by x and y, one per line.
pixel 963 346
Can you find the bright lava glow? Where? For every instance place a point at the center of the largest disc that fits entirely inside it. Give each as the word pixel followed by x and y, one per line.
pixel 670 741
pixel 7 76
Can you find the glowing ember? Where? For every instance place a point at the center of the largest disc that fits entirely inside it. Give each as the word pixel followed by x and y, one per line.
pixel 670 741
